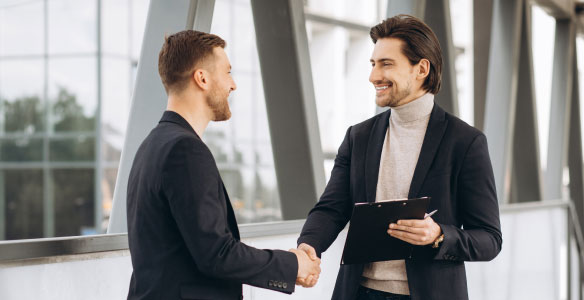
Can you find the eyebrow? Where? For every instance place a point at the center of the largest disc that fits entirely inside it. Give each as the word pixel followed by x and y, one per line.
pixel 382 60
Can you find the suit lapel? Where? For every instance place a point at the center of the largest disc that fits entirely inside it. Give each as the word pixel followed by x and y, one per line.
pixel 373 156
pixel 434 132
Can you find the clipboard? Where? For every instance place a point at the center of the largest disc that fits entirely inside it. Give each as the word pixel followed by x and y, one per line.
pixel 367 239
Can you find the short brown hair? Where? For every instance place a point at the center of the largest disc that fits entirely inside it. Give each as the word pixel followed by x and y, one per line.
pixel 419 42
pixel 181 53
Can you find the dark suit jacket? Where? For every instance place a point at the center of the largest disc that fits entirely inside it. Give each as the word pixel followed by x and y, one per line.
pixel 182 232
pixel 454 169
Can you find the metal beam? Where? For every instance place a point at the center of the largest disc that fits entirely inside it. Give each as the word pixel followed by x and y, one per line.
pixel 98 171
pixel 2 206
pixel 575 158
pixel 482 17
pixel 502 90
pixel 290 103
pixel 526 181
pixel 148 100
pixel 559 9
pixel 559 108
pixel 315 17
pixel 438 18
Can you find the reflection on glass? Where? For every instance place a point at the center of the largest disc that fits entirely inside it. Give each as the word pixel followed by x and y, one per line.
pixel 363 11
pixel 23 198
pixel 21 96
pixel 20 19
pixel 68 114
pixel 543 35
pixel 24 115
pixel 74 202
pixel 108 183
pixel 242 146
pixel 48 102
pixel 21 149
pixel 114 32
pixel 72 26
pixel 344 96
pixel 73 93
pixel 116 95
pixel 81 148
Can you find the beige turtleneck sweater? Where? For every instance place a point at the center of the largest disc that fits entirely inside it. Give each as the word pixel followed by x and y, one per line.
pixel 401 149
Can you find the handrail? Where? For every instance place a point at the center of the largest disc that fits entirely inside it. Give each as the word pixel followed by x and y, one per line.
pixel 46 247
pixel 577 232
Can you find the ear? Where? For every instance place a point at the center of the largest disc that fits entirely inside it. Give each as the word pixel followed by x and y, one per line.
pixel 201 79
pixel 423 68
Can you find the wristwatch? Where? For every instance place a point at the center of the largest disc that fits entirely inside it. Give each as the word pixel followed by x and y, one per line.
pixel 438 241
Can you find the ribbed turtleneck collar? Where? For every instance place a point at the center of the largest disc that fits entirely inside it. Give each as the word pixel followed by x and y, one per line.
pixel 414 110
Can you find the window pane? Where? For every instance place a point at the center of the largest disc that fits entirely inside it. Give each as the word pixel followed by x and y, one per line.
pixel 21 149
pixel 21 95
pixel 363 11
pixel 242 145
pixel 462 38
pixel 72 26
pixel 81 148
pixel 115 109
pixel 340 69
pixel 73 90
pixel 23 196
pixel 21 28
pixel 108 184
pixel 139 10
pixel 74 205
pixel 114 27
pixel 543 35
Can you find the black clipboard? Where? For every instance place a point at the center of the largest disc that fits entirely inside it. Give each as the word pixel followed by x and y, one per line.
pixel 367 239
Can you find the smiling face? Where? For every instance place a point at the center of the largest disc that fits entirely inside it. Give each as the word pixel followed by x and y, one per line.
pixel 222 85
pixel 395 79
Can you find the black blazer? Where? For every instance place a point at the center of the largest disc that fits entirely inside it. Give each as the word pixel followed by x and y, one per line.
pixel 182 232
pixel 454 169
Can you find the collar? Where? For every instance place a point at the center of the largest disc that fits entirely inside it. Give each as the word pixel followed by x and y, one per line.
pixel 173 117
pixel 413 111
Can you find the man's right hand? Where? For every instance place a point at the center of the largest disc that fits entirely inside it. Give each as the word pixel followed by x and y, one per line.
pixel 308 268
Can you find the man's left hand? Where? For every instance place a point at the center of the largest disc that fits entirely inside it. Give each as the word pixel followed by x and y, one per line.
pixel 415 232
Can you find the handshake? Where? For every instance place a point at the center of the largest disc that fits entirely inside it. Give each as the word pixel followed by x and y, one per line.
pixel 308 265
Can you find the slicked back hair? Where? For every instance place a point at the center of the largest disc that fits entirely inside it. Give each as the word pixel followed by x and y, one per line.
pixel 419 42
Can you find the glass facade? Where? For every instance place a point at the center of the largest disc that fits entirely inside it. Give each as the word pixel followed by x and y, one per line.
pixel 242 146
pixel 67 69
pixel 65 85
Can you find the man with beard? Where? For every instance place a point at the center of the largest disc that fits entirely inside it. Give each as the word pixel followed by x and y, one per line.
pixel 182 231
pixel 414 149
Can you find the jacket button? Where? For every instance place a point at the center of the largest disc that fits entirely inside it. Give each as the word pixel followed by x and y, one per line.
pixel 279 284
pixel 271 283
pixel 285 285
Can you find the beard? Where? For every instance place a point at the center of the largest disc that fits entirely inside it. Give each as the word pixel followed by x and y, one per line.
pixel 219 105
pixel 395 96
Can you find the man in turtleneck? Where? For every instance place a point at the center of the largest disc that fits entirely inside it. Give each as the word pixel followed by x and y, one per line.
pixel 414 149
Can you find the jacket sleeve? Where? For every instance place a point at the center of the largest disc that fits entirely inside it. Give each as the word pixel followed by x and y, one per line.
pixel 480 239
pixel 332 212
pixel 191 184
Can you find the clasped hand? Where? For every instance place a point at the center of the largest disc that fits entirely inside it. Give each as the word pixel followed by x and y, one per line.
pixel 415 232
pixel 308 265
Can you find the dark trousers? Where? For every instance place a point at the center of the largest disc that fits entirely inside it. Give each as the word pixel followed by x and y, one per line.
pixel 369 294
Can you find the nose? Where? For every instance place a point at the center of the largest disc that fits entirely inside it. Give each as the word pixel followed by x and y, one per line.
pixel 233 85
pixel 375 76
